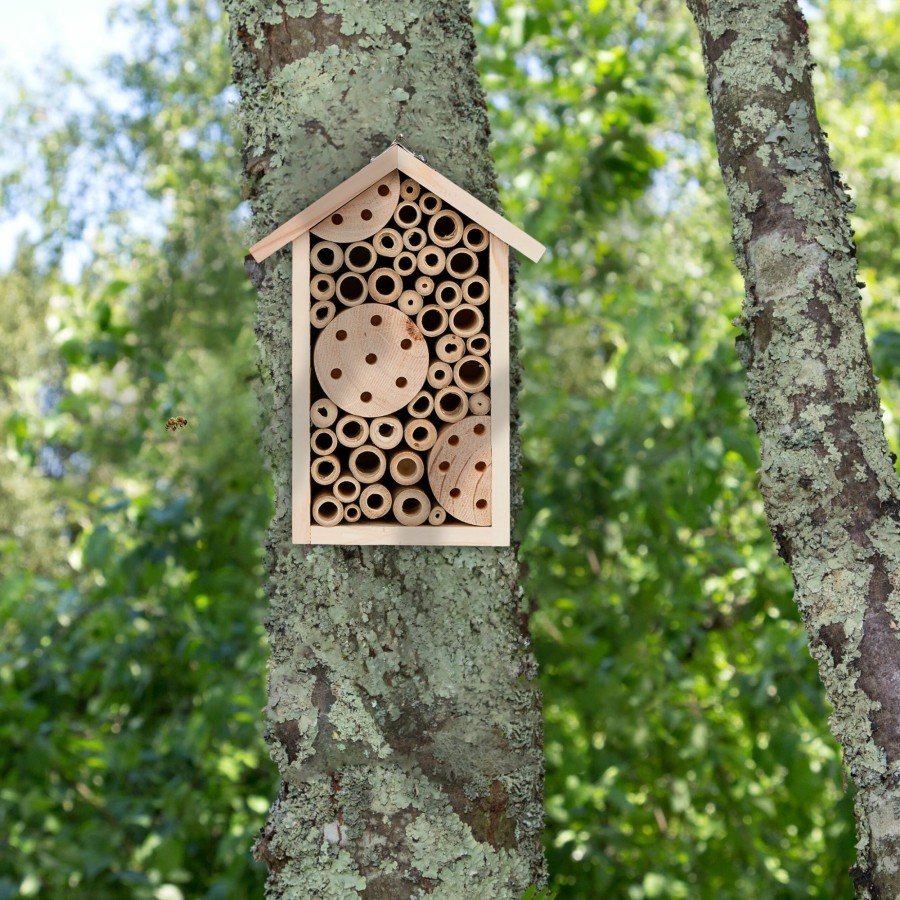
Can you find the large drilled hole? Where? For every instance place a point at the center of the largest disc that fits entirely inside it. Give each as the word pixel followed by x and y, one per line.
pixel 325 256
pixel 325 468
pixel 472 372
pixel 351 514
pixel 322 410
pixel 415 239
pixel 407 467
pixel 431 259
pixel 479 344
pixel 406 264
pixel 476 236
pixel 345 489
pixel 448 293
pixel 324 443
pixel 430 203
pixel 460 264
pixel 453 440
pixel 387 242
pixel 323 311
pixel 336 374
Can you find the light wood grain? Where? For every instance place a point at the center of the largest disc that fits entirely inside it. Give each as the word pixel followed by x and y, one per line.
pixel 431 260
pixel 385 285
pixel 440 374
pixel 323 441
pixel 352 513
pixel 351 289
pixel 478 344
pixel 405 263
pixel 375 534
pixel 371 360
pixel 301 453
pixel 449 348
pixel 479 404
pixel 421 405
pixel 459 470
pixel 414 239
pixel 499 315
pixel 432 320
pixel 366 214
pixel 475 237
pixel 388 242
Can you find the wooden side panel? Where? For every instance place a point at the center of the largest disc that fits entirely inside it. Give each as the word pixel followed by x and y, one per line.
pixel 500 409
pixel 300 398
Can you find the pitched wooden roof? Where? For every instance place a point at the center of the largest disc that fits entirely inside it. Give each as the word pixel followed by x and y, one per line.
pixel 397 158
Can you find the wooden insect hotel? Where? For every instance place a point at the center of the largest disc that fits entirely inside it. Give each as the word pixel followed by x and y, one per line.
pixel 400 360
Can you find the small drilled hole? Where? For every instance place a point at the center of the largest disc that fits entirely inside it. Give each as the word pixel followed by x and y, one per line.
pixel 365 396
pixel 383 190
pixel 451 348
pixel 371 359
pixel 341 335
pixel 375 320
pixel 453 440
pixel 480 504
pixel 455 492
pixel 400 382
pixel 337 219
pixel 444 466
pixel 405 344
pixel 365 215
pixel 478 429
pixel 480 466
pixel 336 373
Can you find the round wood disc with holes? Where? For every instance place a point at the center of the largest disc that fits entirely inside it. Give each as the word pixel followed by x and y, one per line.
pixel 459 470
pixel 366 214
pixel 371 360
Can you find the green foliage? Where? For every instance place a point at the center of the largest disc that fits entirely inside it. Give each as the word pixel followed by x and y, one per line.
pixel 687 745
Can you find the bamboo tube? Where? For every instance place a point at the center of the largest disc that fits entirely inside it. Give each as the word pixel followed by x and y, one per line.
pixel 462 263
pixel 321 287
pixel 375 501
pixel 424 285
pixel 476 290
pixel 352 513
pixel 466 320
pixel 407 215
pixel 388 242
pixel 437 516
pixel 478 344
pixel 346 488
pixel 321 313
pixel 439 374
pixel 351 289
pixel 432 320
pixel 475 238
pixel 420 434
pixel 327 510
pixel 450 348
pixel 414 239
pixel 431 260
pixel 409 189
pixel 385 285
pixel 405 263
pixel 421 405
pixel 451 404
pixel 323 413
pixel 410 302
pixel 430 203
pixel 407 467
pixel 472 374
pixel 323 441
pixel 448 295
pixel 411 506
pixel 360 257
pixel 367 463
pixel 479 404
pixel 445 228
pixel 326 257
pixel 325 469
pixel 386 432
pixel 352 431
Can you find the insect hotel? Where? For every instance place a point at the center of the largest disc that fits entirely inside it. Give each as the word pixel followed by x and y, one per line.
pixel 400 360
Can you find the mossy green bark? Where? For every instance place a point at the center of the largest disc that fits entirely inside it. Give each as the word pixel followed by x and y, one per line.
pixel 403 709
pixel 830 487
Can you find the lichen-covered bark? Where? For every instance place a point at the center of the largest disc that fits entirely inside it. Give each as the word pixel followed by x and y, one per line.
pixel 403 711
pixel 830 489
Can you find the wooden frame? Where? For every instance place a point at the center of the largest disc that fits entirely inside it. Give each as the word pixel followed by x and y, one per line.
pixel 316 224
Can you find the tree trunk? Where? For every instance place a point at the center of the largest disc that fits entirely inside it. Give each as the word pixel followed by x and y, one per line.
pixel 403 709
pixel 827 476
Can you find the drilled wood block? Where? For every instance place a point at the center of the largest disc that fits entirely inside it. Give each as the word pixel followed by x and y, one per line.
pixel 459 470
pixel 371 360
pixel 366 214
